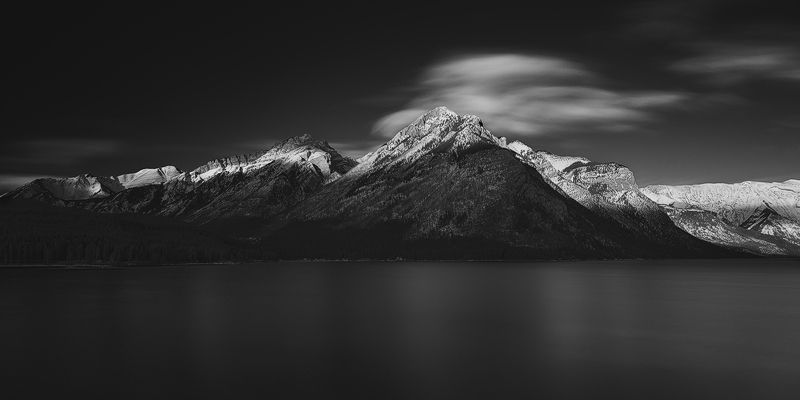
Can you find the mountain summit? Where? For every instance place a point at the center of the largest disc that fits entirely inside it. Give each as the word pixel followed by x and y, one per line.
pixel 438 130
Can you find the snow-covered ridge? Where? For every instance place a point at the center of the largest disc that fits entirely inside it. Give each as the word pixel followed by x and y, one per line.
pixel 732 202
pixel 88 186
pixel 298 149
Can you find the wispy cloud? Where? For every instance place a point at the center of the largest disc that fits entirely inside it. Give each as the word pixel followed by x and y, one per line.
pixel 528 95
pixel 732 63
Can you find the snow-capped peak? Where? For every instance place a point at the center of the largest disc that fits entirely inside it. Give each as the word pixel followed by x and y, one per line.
pixel 439 129
pixel 437 121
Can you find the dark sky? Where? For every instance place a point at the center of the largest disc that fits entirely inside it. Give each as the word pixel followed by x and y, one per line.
pixel 679 91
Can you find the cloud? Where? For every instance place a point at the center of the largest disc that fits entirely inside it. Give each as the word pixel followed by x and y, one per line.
pixel 731 63
pixel 503 68
pixel 528 95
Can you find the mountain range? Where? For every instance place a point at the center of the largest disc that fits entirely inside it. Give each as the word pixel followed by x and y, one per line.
pixel 444 187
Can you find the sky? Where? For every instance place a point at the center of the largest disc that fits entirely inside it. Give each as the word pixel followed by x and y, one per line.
pixel 681 92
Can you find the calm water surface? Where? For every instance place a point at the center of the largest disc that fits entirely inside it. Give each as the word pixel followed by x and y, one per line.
pixel 631 329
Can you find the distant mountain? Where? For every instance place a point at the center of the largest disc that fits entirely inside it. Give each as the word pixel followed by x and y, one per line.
pixel 444 188
pixel 760 217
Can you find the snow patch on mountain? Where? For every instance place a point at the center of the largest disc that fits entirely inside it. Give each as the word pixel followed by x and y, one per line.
pixel 149 176
pixel 84 186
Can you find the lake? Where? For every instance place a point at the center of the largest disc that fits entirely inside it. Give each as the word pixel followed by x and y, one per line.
pixel 688 329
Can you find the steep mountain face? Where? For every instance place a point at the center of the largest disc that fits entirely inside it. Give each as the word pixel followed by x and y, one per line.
pixel 446 179
pixel 763 218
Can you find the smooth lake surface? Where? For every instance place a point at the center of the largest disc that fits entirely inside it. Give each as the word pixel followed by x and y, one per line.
pixel 696 329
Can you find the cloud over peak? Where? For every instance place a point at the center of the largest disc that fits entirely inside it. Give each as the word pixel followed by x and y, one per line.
pixel 528 95
pixel 493 69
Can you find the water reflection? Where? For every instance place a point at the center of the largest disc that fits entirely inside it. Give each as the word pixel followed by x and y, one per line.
pixel 622 329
